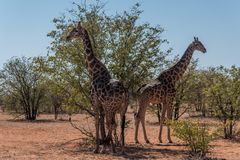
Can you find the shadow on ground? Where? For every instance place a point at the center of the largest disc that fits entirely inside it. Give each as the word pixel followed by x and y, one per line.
pixel 132 151
pixel 37 121
pixel 40 120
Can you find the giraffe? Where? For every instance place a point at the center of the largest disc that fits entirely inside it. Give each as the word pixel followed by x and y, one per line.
pixel 106 93
pixel 162 91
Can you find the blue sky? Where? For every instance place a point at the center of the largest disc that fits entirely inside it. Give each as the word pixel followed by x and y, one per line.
pixel 25 23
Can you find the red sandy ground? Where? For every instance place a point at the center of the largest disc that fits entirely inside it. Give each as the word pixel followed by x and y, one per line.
pixel 49 139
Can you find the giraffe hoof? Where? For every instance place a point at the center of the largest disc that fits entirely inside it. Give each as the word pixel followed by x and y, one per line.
pixel 96 151
pixel 170 141
pixel 136 142
pixel 103 150
pixel 147 141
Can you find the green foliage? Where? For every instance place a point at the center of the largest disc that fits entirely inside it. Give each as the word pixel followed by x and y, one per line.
pixel 129 49
pixel 223 94
pixel 186 90
pixel 196 136
pixel 21 86
pixel 215 92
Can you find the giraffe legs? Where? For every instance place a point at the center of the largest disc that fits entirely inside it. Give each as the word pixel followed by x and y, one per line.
pixel 111 126
pixel 137 121
pixel 102 123
pixel 144 130
pixel 162 121
pixel 97 132
pixel 115 136
pixel 123 118
pixel 167 107
pixel 112 143
pixel 111 139
pixel 169 117
pixel 97 111
pixel 140 117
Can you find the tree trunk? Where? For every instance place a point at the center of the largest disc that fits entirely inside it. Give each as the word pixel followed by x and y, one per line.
pixel 225 128
pixel 57 103
pixel 231 121
pixel 31 112
pixel 199 102
pixel 55 112
pixel 231 129
pixel 203 110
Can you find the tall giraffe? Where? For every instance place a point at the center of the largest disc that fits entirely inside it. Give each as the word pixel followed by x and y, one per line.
pixel 106 92
pixel 163 91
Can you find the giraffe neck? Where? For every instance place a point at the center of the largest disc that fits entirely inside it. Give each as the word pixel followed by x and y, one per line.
pixel 94 66
pixel 183 63
pixel 173 74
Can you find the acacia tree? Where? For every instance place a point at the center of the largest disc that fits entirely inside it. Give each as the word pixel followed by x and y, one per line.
pixel 223 93
pixel 129 49
pixel 21 86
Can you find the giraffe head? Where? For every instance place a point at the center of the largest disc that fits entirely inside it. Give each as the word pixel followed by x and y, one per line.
pixel 197 45
pixel 76 32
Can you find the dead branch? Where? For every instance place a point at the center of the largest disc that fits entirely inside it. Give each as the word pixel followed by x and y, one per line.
pixel 185 110
pixel 80 105
pixel 17 116
pixel 82 130
pixel 89 134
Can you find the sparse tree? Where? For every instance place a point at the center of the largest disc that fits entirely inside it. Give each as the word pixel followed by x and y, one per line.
pixel 21 86
pixel 223 93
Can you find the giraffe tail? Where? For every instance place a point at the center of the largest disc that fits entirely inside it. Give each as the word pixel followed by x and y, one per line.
pixel 137 108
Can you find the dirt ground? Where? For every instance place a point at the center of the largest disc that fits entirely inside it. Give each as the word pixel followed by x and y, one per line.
pixel 58 140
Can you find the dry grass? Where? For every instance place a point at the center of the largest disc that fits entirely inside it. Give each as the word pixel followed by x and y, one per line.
pixel 49 139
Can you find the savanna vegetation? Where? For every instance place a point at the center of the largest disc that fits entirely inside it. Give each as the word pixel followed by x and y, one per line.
pixel 133 52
